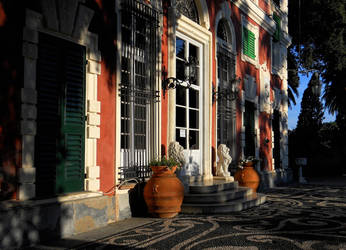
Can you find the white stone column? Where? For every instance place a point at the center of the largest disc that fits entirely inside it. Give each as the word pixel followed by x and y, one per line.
pixel 27 172
pixel 92 171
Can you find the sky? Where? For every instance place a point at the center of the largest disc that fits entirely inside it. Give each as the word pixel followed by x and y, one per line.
pixel 293 112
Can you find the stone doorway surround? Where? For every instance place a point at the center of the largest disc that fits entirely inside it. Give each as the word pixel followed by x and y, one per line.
pixel 200 33
pixel 72 25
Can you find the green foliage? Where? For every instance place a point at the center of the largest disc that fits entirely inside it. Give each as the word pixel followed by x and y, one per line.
pixel 318 30
pixel 311 112
pixel 293 77
pixel 309 121
pixel 164 162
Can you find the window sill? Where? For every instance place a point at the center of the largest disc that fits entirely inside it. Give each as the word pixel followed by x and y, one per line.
pixel 248 59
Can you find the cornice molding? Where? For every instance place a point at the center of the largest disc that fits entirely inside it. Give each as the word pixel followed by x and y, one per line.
pixel 256 14
pixel 261 18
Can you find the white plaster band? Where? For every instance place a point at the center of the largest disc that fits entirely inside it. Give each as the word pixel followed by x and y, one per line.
pixel 93 172
pixel 28 127
pixel 29 96
pixel 94 106
pixel 93 132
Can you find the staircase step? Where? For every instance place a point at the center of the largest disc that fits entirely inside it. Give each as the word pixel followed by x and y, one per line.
pixel 224 207
pixel 211 187
pixel 218 197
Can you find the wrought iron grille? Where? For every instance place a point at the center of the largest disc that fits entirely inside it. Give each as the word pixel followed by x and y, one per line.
pixel 188 8
pixel 137 89
pixel 222 30
pixel 225 109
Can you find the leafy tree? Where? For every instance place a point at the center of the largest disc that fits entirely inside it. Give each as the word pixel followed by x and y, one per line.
pixel 293 77
pixel 318 35
pixel 310 119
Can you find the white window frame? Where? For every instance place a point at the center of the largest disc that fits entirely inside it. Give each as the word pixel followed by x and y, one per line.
pixel 198 88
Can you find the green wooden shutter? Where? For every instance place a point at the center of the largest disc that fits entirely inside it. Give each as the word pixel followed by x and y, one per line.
pixel 71 170
pixel 59 142
pixel 277 32
pixel 48 123
pixel 249 43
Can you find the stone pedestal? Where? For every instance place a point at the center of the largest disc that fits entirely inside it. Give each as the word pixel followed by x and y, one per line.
pixel 225 178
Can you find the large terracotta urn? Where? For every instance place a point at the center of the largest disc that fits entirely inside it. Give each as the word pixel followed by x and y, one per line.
pixel 163 193
pixel 247 176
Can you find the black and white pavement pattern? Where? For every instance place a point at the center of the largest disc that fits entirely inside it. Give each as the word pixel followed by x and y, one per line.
pixel 296 217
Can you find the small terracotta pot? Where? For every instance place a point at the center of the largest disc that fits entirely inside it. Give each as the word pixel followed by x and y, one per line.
pixel 247 177
pixel 163 193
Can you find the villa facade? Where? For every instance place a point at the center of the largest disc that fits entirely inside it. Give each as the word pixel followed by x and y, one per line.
pixel 105 87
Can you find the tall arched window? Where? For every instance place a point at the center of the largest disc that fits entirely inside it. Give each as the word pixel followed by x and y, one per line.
pixel 188 8
pixel 226 75
pixel 222 31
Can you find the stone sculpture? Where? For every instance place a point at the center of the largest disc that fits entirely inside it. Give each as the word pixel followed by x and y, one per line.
pixel 224 160
pixel 175 151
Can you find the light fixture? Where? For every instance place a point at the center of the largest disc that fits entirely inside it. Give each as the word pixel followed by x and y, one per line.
pixel 190 76
pixel 229 94
pixel 316 86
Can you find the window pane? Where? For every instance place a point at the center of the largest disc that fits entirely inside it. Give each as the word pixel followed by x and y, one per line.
pixel 181 137
pixel 181 96
pixel 193 52
pixel 194 119
pixel 194 139
pixel 180 69
pixel 194 98
pixel 181 117
pixel 180 48
pixel 194 75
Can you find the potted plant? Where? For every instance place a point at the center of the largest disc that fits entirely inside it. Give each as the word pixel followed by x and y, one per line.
pixel 246 175
pixel 164 193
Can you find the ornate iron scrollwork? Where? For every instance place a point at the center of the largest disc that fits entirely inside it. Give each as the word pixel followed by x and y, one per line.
pixel 172 82
pixel 188 8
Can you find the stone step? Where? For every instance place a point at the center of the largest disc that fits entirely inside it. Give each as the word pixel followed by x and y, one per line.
pixel 224 207
pixel 211 187
pixel 218 197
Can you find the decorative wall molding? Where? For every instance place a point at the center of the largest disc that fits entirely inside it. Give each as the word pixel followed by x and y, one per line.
pixel 250 88
pixel 265 105
pixel 257 14
pixel 277 99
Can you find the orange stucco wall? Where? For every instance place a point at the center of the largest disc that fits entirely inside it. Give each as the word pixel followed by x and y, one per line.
pixel 164 98
pixel 106 143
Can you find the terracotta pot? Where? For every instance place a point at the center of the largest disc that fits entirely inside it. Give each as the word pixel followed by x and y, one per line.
pixel 247 177
pixel 163 193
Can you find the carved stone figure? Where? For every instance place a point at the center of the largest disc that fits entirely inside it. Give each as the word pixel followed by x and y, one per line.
pixel 224 160
pixel 175 151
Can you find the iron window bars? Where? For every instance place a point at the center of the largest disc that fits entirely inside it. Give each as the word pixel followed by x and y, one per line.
pixel 139 25
pixel 226 64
